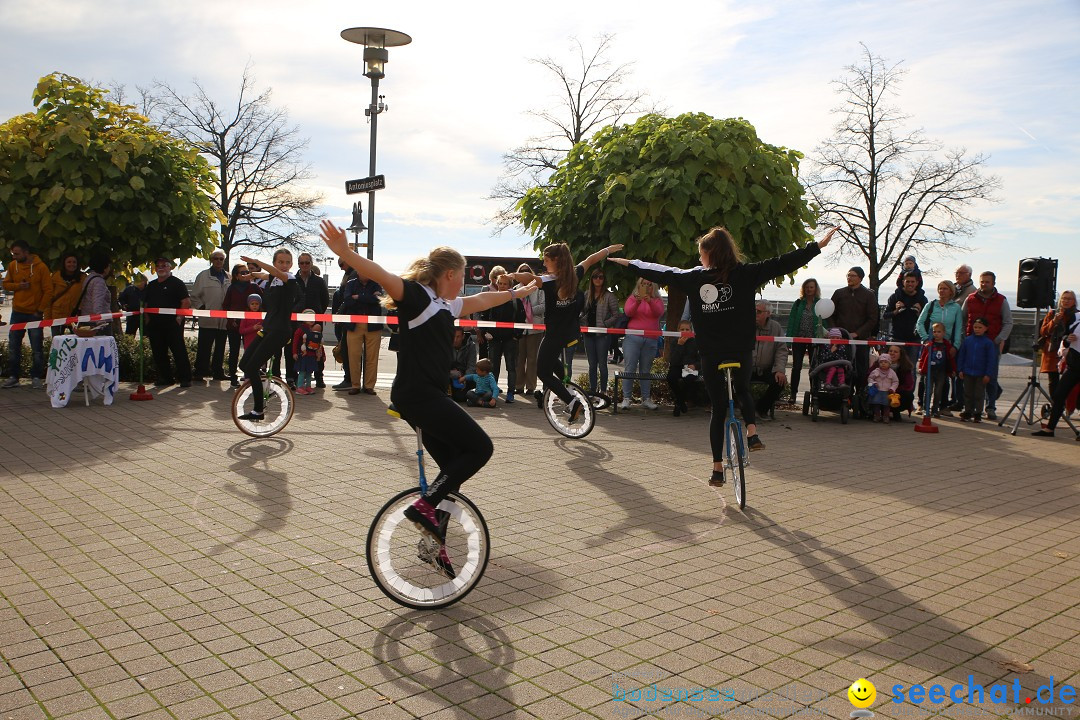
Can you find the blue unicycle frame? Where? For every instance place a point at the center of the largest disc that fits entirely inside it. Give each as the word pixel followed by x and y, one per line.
pixel 734 441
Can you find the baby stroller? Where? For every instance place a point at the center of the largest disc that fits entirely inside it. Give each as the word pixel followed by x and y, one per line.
pixel 828 396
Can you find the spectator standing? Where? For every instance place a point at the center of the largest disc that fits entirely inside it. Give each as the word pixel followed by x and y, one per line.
pixel 259 281
pixel 482 334
pixel 857 312
pixel 1053 330
pixel 964 285
pixel 802 322
pixel 96 295
pixel 241 288
pixel 1068 380
pixel 529 343
pixel 903 309
pixel 989 304
pixel 131 300
pixel 882 382
pixel 361 297
pixel 208 293
pixel 503 342
pixel 644 308
pixel 29 283
pixel 341 329
pixel 976 362
pixel 601 310
pixel 770 359
pixel 314 295
pixel 938 358
pixel 67 285
pixel 166 332
pixel 946 311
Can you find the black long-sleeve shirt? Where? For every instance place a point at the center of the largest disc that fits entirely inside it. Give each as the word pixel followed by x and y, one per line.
pixel 723 312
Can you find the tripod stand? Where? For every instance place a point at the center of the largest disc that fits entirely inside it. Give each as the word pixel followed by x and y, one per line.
pixel 1026 402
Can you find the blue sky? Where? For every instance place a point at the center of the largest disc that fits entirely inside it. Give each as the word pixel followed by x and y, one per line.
pixel 998 78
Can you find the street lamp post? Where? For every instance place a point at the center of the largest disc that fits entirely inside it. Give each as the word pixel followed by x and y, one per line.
pixel 375 42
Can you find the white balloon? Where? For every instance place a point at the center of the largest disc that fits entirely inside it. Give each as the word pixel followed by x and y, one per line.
pixel 824 308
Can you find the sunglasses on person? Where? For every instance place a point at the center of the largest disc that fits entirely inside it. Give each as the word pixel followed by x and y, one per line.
pixel 304 262
pixel 597 277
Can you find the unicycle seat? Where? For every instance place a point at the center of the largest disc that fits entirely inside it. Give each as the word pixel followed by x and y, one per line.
pixel 732 365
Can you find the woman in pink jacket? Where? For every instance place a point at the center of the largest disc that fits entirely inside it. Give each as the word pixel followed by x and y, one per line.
pixel 644 308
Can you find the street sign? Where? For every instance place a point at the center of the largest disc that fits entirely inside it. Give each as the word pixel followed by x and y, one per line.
pixel 375 182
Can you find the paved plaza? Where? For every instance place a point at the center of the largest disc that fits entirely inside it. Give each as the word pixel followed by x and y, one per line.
pixel 155 563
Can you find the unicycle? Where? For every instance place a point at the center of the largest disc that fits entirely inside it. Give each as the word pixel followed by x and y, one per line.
pixel 734 443
pixel 412 568
pixel 277 407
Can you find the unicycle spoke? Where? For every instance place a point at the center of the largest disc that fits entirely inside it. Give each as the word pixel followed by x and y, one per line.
pixel 415 571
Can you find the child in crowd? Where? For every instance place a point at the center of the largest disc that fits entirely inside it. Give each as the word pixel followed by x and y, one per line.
pixel 882 381
pixel 684 368
pixel 463 363
pixel 307 351
pixel 940 355
pixel 487 389
pixel 249 328
pixel 834 376
pixel 976 364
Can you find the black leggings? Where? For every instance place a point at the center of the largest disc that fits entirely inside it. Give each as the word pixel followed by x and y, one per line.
pixel 262 348
pixel 1068 380
pixel 548 358
pixel 455 442
pixel 716 384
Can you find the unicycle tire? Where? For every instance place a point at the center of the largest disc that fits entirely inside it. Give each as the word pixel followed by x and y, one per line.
pixel 734 464
pixel 277 410
pixel 556 412
pixel 403 561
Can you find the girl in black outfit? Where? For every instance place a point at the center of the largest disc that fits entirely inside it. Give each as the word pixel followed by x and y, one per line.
pixel 281 292
pixel 427 302
pixel 563 303
pixel 721 295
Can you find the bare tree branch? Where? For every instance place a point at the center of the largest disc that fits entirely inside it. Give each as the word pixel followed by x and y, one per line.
pixel 888 189
pixel 592 95
pixel 258 157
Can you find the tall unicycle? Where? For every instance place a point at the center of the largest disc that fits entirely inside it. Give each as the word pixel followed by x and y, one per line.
pixel 277 407
pixel 574 420
pixel 414 569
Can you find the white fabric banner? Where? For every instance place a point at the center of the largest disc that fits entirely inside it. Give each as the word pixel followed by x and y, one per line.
pixel 92 360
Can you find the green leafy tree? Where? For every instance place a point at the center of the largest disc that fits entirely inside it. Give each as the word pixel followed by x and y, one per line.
pixel 656 185
pixel 82 174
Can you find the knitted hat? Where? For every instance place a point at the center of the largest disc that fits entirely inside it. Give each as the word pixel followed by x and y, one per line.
pixel 256 297
pixel 858 271
pixel 835 333
pixel 884 357
pixel 912 259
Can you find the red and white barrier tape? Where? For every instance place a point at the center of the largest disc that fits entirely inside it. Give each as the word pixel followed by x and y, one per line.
pixel 391 320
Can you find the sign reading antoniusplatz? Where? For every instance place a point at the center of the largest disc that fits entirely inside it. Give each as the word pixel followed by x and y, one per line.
pixel 375 182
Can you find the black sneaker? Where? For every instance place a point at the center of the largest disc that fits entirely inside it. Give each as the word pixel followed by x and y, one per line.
pixel 575 410
pixel 717 479
pixel 539 398
pixel 754 443
pixel 234 383
pixel 319 384
pixel 423 515
pixel 252 415
pixel 347 385
pixel 1043 433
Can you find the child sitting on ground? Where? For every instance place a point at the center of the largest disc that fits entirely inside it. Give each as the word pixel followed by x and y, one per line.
pixel 486 389
pixel 834 376
pixel 940 354
pixel 307 351
pixel 977 366
pixel 880 384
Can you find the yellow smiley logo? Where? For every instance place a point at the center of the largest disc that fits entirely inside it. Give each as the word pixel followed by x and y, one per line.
pixel 862 693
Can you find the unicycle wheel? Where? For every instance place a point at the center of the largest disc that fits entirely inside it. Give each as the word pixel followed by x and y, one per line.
pixel 559 417
pixel 735 464
pixel 277 410
pixel 405 563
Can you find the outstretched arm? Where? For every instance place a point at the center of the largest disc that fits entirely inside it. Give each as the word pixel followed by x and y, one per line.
pixel 599 255
pixel 337 242
pixel 485 300
pixel 269 269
